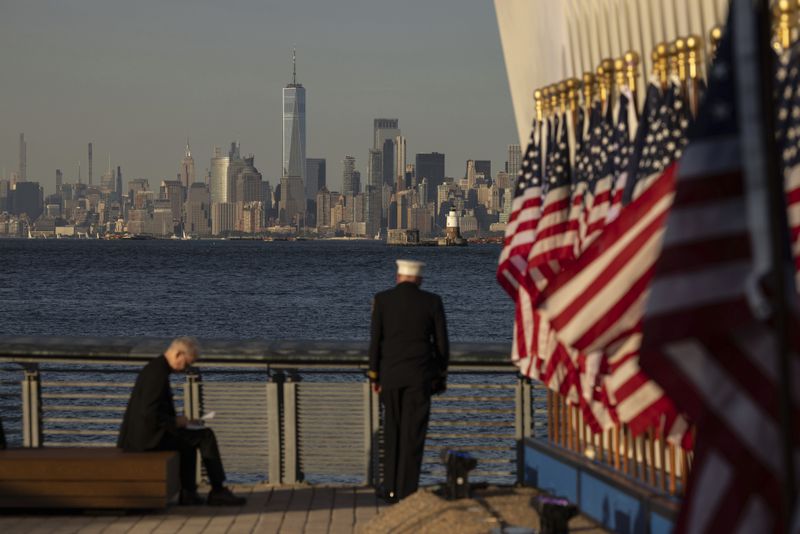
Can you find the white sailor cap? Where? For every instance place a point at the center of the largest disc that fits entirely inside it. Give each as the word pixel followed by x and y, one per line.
pixel 410 267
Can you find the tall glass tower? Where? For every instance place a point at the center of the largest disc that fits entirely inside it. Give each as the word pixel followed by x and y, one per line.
pixel 293 198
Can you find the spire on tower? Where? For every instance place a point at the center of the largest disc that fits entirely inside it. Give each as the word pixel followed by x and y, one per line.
pixel 294 66
pixel 188 150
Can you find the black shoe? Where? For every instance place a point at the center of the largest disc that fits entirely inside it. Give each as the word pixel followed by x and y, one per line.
pixel 224 497
pixel 389 497
pixel 190 498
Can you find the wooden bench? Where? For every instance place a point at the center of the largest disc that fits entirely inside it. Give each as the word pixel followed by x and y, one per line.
pixel 87 478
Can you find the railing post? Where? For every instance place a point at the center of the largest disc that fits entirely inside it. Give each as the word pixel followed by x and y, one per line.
pixel 367 422
pixel 290 432
pixel 273 432
pixel 376 433
pixel 31 407
pixel 522 422
pixel 191 409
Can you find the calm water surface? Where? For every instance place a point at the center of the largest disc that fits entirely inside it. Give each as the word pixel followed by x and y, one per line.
pixel 315 290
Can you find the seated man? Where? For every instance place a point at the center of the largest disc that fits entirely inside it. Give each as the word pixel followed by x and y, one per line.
pixel 151 424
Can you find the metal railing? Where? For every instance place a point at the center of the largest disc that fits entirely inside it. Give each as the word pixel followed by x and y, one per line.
pixel 646 458
pixel 286 411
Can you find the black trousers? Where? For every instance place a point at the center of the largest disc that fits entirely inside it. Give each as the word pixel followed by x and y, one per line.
pixel 406 413
pixel 187 443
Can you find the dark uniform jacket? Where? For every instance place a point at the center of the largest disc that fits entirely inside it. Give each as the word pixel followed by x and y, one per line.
pixel 151 412
pixel 408 343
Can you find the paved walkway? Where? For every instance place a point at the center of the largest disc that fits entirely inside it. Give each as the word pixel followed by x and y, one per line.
pixel 312 510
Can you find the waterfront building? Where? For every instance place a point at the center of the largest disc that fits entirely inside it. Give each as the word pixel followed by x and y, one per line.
pixel 293 194
pixel 59 182
pixel 400 162
pixel 430 166
pixel 187 175
pixel 198 210
pixel 372 210
pixel 359 214
pixel 348 168
pixel 174 192
pixel 251 218
pixel 5 196
pixel 315 177
pixel 421 219
pixel 268 199
pixel 27 198
pixel 248 182
pixel 235 166
pixel 219 185
pixel 223 218
pixel 508 200
pixel 323 208
pixel 161 222
pixel 384 133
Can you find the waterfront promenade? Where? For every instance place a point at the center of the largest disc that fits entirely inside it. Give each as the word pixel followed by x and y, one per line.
pixel 311 510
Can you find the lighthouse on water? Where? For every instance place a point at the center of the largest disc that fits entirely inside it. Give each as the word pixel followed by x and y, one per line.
pixel 452 233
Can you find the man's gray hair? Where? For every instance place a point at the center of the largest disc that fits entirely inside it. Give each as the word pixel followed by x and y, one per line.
pixel 189 343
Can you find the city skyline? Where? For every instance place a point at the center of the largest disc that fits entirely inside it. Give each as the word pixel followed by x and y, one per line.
pixel 121 97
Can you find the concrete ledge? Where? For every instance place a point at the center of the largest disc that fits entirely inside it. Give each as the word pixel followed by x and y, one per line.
pixel 616 501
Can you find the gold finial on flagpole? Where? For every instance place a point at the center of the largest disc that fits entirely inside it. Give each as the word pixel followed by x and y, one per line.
pixel 554 99
pixel 694 45
pixel 605 79
pixel 619 71
pixel 681 59
pixel 662 64
pixel 573 86
pixel 715 36
pixel 537 98
pixel 672 59
pixel 632 72
pixel 546 101
pixel 589 81
pixel 562 96
pixel 782 19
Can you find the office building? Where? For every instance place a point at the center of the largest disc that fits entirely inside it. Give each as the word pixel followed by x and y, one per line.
pixel 91 164
pixel 174 192
pixel 384 132
pixel 323 208
pixel 187 175
pixel 430 166
pixel 400 162
pixel 59 181
pixel 223 218
pixel 502 180
pixel 315 177
pixel 235 165
pixel 27 199
pixel 348 168
pixel 198 211
pixel 514 162
pixel 484 166
pixel 248 182
pixel 219 185
pixel 293 194
pixel 471 178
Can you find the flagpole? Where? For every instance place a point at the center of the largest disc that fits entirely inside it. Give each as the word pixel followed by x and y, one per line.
pixel 779 249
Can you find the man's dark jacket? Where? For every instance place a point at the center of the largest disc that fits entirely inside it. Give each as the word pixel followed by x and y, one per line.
pixel 151 412
pixel 408 342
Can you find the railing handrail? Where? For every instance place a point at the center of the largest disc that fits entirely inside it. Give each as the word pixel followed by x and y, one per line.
pixel 42 348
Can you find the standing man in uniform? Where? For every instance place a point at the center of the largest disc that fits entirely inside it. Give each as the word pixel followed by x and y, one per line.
pixel 408 356
pixel 151 424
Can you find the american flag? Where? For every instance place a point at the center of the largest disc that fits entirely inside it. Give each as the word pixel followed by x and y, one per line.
pixel 525 213
pixel 703 339
pixel 624 150
pixel 788 130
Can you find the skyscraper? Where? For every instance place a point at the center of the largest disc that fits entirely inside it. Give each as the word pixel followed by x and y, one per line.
pixel 484 166
pixel 400 162
pixel 315 177
pixel 514 160
pixel 219 186
pixel 90 164
pixel 293 194
pixel 187 167
pixel 23 159
pixel 385 131
pixel 348 168
pixel 59 181
pixel 431 168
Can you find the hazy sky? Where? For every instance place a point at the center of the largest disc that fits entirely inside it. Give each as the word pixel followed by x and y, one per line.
pixel 137 77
